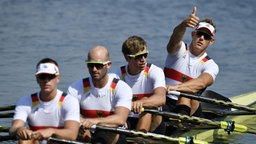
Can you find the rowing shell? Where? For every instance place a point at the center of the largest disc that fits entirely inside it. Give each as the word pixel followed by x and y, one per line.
pixel 209 135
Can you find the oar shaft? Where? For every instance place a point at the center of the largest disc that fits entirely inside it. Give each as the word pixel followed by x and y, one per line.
pixel 181 140
pixel 57 140
pixel 183 117
pixel 215 101
pixel 218 124
pixel 6 108
pixel 6 115
pixel 4 129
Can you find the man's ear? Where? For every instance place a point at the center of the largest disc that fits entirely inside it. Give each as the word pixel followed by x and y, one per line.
pixel 212 41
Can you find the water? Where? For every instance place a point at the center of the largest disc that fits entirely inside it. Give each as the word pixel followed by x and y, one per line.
pixel 65 30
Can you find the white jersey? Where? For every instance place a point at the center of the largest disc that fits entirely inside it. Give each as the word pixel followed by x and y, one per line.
pixel 101 102
pixel 144 83
pixel 183 66
pixel 54 113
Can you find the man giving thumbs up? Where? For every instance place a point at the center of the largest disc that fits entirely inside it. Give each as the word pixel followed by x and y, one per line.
pixel 188 68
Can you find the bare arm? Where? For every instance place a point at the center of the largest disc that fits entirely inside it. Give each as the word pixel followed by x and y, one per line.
pixel 117 119
pixel 194 85
pixel 156 100
pixel 179 31
pixel 18 129
pixel 70 131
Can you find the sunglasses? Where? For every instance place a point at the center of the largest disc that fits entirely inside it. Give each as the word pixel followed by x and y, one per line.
pixel 98 65
pixel 206 35
pixel 46 76
pixel 139 55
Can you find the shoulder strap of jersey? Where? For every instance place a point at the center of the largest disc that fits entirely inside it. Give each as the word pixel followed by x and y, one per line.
pixel 62 99
pixel 113 85
pixel 87 85
pixel 147 69
pixel 205 59
pixel 123 71
pixel 35 100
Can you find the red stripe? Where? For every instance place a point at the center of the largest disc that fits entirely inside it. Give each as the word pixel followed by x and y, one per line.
pixel 95 113
pixel 86 82
pixel 34 128
pixel 205 59
pixel 176 75
pixel 34 98
pixel 61 98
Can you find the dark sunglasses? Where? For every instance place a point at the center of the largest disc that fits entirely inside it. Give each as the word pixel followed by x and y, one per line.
pixel 206 35
pixel 46 76
pixel 139 55
pixel 98 65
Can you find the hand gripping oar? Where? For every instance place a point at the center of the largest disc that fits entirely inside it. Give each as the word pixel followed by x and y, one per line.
pixel 6 115
pixel 52 139
pixel 228 126
pixel 218 102
pixel 180 140
pixel 6 108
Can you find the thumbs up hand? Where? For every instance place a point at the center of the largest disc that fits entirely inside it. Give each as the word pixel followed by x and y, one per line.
pixel 192 20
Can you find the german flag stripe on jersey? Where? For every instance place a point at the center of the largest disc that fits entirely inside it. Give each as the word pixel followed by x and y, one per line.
pixel 146 70
pixel 205 59
pixel 123 72
pixel 86 84
pixel 113 85
pixel 61 99
pixel 35 100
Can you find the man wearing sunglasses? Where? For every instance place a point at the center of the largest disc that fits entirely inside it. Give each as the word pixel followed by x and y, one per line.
pixel 104 100
pixel 147 83
pixel 188 68
pixel 49 112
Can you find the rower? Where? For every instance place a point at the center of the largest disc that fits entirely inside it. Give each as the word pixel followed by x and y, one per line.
pixel 188 68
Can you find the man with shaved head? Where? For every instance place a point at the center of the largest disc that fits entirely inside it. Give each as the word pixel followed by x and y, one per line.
pixel 104 100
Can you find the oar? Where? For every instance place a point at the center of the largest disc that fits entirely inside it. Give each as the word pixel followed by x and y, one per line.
pixel 6 108
pixel 228 126
pixel 180 140
pixel 4 129
pixel 221 113
pixel 215 101
pixel 64 141
pixel 7 137
pixel 6 115
pixel 50 139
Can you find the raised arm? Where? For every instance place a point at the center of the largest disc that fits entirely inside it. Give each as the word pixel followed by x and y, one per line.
pixel 179 31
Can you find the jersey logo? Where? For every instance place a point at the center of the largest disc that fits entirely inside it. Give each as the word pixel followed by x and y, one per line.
pixel 176 75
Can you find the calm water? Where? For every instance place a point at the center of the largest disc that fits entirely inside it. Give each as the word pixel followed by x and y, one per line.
pixel 65 30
